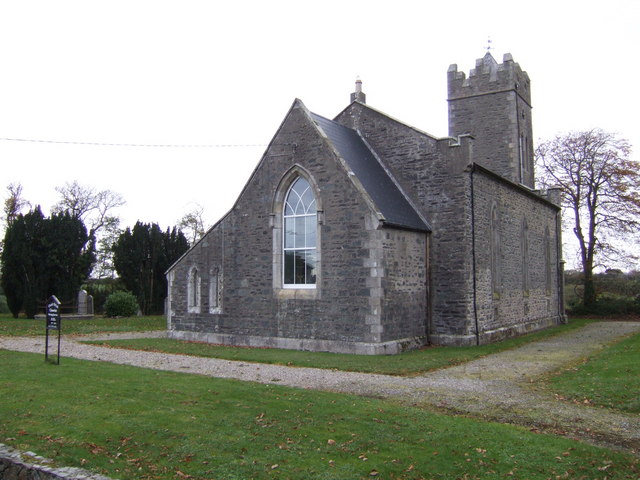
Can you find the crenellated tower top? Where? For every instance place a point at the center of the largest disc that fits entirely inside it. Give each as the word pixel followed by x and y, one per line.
pixel 493 104
pixel 488 77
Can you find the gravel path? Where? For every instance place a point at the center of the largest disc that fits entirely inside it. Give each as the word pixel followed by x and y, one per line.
pixel 500 387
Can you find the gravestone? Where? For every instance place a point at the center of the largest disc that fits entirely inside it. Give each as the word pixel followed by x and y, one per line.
pixel 85 303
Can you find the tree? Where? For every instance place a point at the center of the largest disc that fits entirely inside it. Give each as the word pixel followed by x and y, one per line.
pixel 43 257
pixel 95 209
pixel 141 257
pixel 600 188
pixel 192 224
pixel 14 203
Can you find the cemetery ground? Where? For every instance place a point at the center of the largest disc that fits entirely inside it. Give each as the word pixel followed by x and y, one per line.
pixel 129 422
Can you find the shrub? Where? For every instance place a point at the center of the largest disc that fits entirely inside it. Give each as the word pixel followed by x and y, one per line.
pixel 100 289
pixel 121 304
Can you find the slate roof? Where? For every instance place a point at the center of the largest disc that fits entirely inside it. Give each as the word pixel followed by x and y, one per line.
pixel 385 193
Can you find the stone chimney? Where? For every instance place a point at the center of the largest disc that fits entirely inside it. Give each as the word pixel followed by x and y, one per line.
pixel 358 95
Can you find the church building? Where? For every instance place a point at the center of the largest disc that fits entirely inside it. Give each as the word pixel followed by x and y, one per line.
pixel 362 234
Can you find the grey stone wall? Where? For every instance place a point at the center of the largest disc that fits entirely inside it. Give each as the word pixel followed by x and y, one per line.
pixel 17 465
pixel 431 173
pixel 437 175
pixel 348 305
pixel 403 282
pixel 512 305
pixel 379 289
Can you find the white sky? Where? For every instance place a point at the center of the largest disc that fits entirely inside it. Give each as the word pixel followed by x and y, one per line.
pixel 218 73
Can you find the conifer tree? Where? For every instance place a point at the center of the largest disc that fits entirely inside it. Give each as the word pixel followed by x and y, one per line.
pixel 142 255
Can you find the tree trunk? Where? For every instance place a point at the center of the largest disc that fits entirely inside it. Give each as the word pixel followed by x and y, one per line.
pixel 589 297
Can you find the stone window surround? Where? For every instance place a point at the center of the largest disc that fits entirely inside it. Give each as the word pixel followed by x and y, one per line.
pixel 194 281
pixel 276 223
pixel 495 245
pixel 526 285
pixel 215 290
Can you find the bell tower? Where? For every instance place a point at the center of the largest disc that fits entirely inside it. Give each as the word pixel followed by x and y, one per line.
pixel 493 105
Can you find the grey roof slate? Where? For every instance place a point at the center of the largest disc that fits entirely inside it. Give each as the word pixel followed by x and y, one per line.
pixel 386 195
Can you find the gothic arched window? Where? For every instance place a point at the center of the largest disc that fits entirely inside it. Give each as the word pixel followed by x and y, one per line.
pixel 215 290
pixel 193 290
pixel 525 257
pixel 495 250
pixel 547 261
pixel 300 235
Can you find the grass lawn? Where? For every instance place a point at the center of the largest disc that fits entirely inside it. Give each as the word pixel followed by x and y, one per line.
pixel 610 378
pixel 409 363
pixel 133 423
pixel 24 327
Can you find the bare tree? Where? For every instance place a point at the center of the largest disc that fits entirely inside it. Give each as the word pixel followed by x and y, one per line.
pixel 601 192
pixel 192 224
pixel 96 210
pixel 14 203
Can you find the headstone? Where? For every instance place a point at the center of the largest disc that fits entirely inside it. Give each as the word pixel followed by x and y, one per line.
pixel 85 303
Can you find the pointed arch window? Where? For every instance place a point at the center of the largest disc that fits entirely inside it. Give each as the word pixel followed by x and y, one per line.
pixel 495 250
pixel 300 219
pixel 547 261
pixel 193 290
pixel 215 290
pixel 525 257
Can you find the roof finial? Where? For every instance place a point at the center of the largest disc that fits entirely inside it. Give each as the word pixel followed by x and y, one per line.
pixel 489 42
pixel 358 95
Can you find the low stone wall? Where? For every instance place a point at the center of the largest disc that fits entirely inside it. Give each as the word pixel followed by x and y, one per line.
pixel 16 465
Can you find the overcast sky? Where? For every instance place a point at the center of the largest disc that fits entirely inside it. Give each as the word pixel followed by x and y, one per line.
pixel 207 73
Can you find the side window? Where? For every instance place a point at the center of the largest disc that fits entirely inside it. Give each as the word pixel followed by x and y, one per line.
pixel 215 291
pixel 547 261
pixel 495 250
pixel 299 249
pixel 193 290
pixel 525 257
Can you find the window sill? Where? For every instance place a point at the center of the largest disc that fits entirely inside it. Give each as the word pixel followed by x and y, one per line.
pixel 291 293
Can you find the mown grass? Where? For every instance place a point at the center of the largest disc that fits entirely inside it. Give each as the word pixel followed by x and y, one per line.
pixel 409 363
pixel 133 423
pixel 610 378
pixel 27 327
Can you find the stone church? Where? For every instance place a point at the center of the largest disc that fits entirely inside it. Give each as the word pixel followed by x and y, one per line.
pixel 363 234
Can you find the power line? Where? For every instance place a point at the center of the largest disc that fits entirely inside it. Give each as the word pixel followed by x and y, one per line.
pixel 147 145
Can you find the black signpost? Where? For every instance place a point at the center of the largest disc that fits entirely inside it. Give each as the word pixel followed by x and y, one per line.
pixel 53 323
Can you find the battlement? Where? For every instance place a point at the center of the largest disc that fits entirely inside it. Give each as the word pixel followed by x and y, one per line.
pixel 489 76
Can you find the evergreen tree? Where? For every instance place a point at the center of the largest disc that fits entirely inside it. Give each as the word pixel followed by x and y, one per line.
pixel 43 257
pixel 142 255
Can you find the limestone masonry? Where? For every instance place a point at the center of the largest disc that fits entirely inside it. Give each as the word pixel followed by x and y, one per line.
pixel 363 234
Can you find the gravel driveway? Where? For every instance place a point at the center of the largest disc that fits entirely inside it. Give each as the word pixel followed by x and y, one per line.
pixel 499 387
